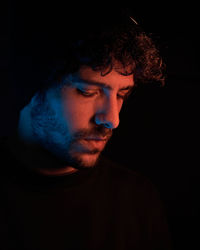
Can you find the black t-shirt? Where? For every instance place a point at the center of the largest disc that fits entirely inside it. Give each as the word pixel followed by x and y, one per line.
pixel 105 207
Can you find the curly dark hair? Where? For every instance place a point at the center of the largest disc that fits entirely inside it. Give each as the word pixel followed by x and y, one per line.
pixel 56 44
pixel 100 45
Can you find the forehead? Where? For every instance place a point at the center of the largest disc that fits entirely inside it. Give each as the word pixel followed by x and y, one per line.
pixel 114 80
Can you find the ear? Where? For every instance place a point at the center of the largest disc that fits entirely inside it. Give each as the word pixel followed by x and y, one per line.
pixel 38 98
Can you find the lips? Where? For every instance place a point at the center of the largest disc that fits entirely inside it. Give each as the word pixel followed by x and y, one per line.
pixel 95 143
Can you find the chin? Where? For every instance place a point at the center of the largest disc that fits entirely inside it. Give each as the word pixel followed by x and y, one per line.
pixel 87 160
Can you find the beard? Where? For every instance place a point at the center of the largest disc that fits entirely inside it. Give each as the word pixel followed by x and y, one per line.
pixel 51 133
pixel 72 151
pixel 80 155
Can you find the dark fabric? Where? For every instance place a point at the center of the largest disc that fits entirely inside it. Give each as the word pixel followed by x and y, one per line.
pixel 106 207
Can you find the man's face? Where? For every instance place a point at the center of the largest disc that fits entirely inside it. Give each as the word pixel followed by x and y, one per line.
pixel 76 120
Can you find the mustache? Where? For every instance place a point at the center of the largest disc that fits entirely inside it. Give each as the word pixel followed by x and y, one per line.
pixel 101 132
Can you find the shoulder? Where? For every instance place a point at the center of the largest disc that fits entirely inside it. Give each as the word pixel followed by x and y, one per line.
pixel 132 188
pixel 123 171
pixel 123 176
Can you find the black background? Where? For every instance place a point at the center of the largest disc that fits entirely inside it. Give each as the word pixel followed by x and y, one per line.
pixel 159 129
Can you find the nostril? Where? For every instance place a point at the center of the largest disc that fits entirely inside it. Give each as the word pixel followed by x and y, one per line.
pixel 106 123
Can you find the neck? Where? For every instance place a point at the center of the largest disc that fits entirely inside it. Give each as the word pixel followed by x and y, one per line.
pixel 39 160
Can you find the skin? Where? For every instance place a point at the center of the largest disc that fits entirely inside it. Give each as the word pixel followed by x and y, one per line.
pixel 75 119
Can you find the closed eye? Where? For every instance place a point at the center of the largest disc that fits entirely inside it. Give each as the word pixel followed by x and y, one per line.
pixel 87 92
pixel 124 94
pixel 121 96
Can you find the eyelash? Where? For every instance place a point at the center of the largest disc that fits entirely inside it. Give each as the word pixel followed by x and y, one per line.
pixel 87 94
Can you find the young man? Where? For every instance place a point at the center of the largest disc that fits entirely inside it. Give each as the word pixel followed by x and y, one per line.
pixel 57 191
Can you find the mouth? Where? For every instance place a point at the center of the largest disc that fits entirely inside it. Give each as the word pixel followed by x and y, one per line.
pixel 95 143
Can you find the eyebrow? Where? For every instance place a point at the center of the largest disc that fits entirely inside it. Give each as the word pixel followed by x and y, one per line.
pixel 104 85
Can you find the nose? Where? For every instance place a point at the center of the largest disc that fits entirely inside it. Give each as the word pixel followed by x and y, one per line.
pixel 108 114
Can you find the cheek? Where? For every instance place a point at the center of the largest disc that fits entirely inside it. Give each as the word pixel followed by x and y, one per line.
pixel 77 113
